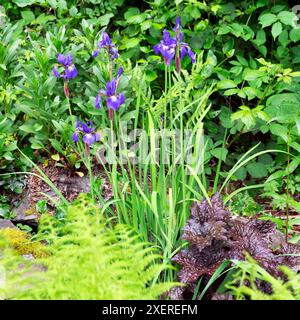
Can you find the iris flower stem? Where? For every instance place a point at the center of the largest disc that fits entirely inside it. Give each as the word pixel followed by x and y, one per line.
pixel 173 150
pixel 287 190
pixel 183 178
pixel 69 107
pixel 170 100
pixel 85 155
pixel 166 97
pixel 89 167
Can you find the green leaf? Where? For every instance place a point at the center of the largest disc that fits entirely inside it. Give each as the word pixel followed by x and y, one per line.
pixel 28 16
pixel 131 43
pixel 55 157
pixel 145 25
pixel 251 75
pixel 283 107
pixel 288 18
pixel 276 29
pixel 257 170
pixel 24 3
pixel 226 84
pixel 260 38
pixel 73 11
pixel 150 75
pixel 31 128
pixel 279 130
pixel 136 19
pixel 267 19
pixel 219 153
pixel 104 20
pixel 131 12
pixel 295 35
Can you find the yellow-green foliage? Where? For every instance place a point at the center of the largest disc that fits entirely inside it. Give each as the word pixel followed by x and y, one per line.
pixel 249 272
pixel 20 241
pixel 87 260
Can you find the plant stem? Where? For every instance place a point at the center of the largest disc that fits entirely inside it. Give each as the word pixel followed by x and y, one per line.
pixel 287 189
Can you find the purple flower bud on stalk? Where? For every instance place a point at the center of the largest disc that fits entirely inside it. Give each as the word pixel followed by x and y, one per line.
pixel 120 71
pixel 66 89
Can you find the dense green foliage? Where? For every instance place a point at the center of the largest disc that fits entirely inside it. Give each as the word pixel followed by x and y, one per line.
pixel 240 100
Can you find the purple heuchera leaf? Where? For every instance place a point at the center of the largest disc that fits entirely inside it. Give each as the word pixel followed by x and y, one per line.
pixel 215 235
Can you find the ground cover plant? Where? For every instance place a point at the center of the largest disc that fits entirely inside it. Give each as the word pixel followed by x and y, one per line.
pixel 166 130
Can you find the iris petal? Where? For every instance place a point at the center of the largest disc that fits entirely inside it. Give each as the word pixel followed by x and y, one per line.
pixel 55 72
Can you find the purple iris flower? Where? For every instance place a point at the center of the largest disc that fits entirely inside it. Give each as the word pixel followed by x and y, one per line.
pixel 185 50
pixel 106 43
pixel 89 136
pixel 169 47
pixel 166 47
pixel 69 71
pixel 113 99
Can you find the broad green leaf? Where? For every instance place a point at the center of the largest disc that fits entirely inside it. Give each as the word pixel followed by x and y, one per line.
pixel 283 107
pixel 267 19
pixel 24 3
pixel 288 18
pixel 260 37
pixel 295 35
pixel 219 153
pixel 257 170
pixel 131 43
pixel 150 75
pixel 104 20
pixel 276 29
pixel 279 130
pixel 226 84
pixel 251 75
pixel 28 16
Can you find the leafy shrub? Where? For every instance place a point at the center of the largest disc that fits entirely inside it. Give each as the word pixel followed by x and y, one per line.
pixel 215 236
pixel 87 260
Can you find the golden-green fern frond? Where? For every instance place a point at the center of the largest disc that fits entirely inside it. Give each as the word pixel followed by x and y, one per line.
pixel 86 259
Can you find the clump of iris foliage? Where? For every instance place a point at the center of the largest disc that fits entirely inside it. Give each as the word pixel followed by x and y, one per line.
pixel 225 70
pixel 85 258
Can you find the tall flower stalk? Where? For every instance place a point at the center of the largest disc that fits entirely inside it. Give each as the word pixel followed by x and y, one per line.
pixel 170 48
pixel 113 100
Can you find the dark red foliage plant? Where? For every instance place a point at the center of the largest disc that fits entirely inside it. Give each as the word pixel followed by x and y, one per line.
pixel 215 235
